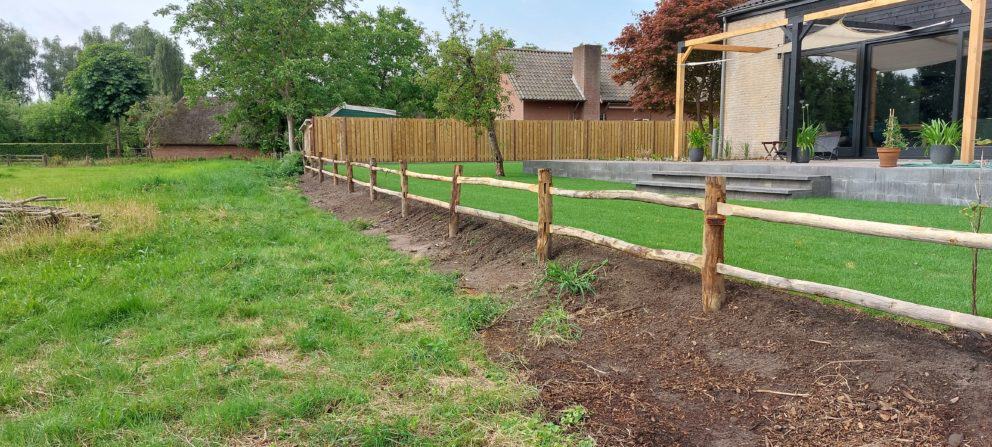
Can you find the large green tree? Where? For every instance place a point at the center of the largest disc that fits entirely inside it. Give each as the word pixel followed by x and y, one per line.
pixel 262 56
pixel 382 58
pixel 162 55
pixel 468 75
pixel 54 64
pixel 17 51
pixel 107 83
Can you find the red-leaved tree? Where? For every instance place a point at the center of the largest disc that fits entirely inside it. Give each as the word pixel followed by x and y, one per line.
pixel 645 56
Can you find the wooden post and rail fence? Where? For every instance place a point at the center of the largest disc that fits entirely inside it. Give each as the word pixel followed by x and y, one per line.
pixel 446 140
pixel 715 210
pixel 10 159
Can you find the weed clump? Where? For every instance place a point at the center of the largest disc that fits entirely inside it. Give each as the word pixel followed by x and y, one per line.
pixel 572 279
pixel 554 326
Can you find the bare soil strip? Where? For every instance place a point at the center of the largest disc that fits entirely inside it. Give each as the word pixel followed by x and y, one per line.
pixel 652 369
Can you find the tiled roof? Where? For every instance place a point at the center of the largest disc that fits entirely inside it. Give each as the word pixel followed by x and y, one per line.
pixel 750 5
pixel 542 75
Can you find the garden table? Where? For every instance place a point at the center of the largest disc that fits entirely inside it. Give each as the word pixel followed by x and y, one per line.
pixel 771 149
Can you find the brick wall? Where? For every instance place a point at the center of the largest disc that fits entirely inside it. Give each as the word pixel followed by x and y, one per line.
pixel 752 95
pixel 177 152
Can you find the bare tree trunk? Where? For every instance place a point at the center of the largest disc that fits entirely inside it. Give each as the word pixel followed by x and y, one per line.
pixel 291 132
pixel 117 136
pixel 494 147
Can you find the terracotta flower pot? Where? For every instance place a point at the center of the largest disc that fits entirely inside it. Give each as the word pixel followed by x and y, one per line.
pixel 888 157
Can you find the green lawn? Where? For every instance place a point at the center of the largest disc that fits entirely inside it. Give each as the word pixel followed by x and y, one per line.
pixel 913 271
pixel 218 308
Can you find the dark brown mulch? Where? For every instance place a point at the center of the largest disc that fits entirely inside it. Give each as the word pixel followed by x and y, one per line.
pixel 653 369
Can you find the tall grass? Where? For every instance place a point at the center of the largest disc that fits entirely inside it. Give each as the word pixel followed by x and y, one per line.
pixel 219 308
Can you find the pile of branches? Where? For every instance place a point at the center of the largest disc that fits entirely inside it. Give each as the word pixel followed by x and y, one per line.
pixel 22 214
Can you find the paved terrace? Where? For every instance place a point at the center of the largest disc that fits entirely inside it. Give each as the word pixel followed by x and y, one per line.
pixel 914 181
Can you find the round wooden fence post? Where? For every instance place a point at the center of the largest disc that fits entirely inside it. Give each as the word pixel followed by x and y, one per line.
pixel 404 190
pixel 320 165
pixel 372 179
pixel 713 224
pixel 456 195
pixel 44 159
pixel 334 169
pixel 351 175
pixel 544 214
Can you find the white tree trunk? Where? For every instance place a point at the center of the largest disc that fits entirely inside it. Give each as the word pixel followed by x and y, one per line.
pixel 291 132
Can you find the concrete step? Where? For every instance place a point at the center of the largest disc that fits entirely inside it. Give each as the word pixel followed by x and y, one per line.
pixel 819 184
pixel 740 192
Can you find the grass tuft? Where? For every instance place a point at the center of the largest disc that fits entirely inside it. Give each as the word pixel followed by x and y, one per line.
pixel 554 326
pixel 571 279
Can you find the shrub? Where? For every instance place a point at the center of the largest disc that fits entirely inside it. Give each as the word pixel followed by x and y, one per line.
pixel 69 151
pixel 291 164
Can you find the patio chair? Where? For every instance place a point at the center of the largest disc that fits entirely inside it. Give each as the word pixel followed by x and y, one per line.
pixel 825 147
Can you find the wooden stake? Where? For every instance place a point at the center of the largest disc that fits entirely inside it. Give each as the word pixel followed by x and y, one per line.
pixel 713 286
pixel 334 169
pixel 320 166
pixel 372 179
pixel 456 195
pixel 404 190
pixel 544 214
pixel 351 175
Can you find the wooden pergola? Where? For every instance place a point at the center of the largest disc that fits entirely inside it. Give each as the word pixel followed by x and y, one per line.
pixel 797 28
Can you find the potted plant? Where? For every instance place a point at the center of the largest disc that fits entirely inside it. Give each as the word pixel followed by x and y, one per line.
pixel 895 142
pixel 806 141
pixel 699 139
pixel 806 138
pixel 941 140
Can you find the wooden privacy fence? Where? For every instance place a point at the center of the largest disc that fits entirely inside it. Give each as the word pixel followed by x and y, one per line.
pixel 715 211
pixel 430 140
pixel 10 159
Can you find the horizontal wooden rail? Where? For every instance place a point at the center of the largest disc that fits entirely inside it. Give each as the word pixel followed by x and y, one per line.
pixel 657 254
pixel 498 183
pixel 896 231
pixel 637 196
pixel 439 178
pixel 870 300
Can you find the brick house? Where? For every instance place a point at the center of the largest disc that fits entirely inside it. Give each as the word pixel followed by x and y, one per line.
pixel 561 85
pixel 909 57
pixel 188 131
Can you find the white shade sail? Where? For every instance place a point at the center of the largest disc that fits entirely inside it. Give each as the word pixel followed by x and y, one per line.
pixel 889 57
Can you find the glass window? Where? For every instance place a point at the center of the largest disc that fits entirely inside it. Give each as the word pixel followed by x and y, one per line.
pixel 983 134
pixel 914 77
pixel 827 92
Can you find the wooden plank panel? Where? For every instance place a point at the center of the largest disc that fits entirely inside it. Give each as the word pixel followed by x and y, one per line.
pixel 568 140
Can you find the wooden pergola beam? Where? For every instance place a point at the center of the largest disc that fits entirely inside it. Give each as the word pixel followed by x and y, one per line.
pixel 728 34
pixel 973 76
pixel 729 48
pixel 680 59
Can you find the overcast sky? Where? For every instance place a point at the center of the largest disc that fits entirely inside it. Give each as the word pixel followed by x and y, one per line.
pixel 551 24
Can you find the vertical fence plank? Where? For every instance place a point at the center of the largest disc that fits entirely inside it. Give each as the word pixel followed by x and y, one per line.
pixel 713 224
pixel 404 190
pixel 456 195
pixel 544 214
pixel 372 179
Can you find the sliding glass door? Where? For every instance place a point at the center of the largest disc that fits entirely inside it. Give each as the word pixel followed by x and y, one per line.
pixel 827 94
pixel 916 79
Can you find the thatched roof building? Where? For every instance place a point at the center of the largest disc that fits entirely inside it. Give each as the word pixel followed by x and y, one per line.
pixel 188 133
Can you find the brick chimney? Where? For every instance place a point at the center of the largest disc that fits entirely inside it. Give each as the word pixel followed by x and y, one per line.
pixel 586 60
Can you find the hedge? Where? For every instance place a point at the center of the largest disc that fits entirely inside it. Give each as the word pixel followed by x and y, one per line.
pixel 64 150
